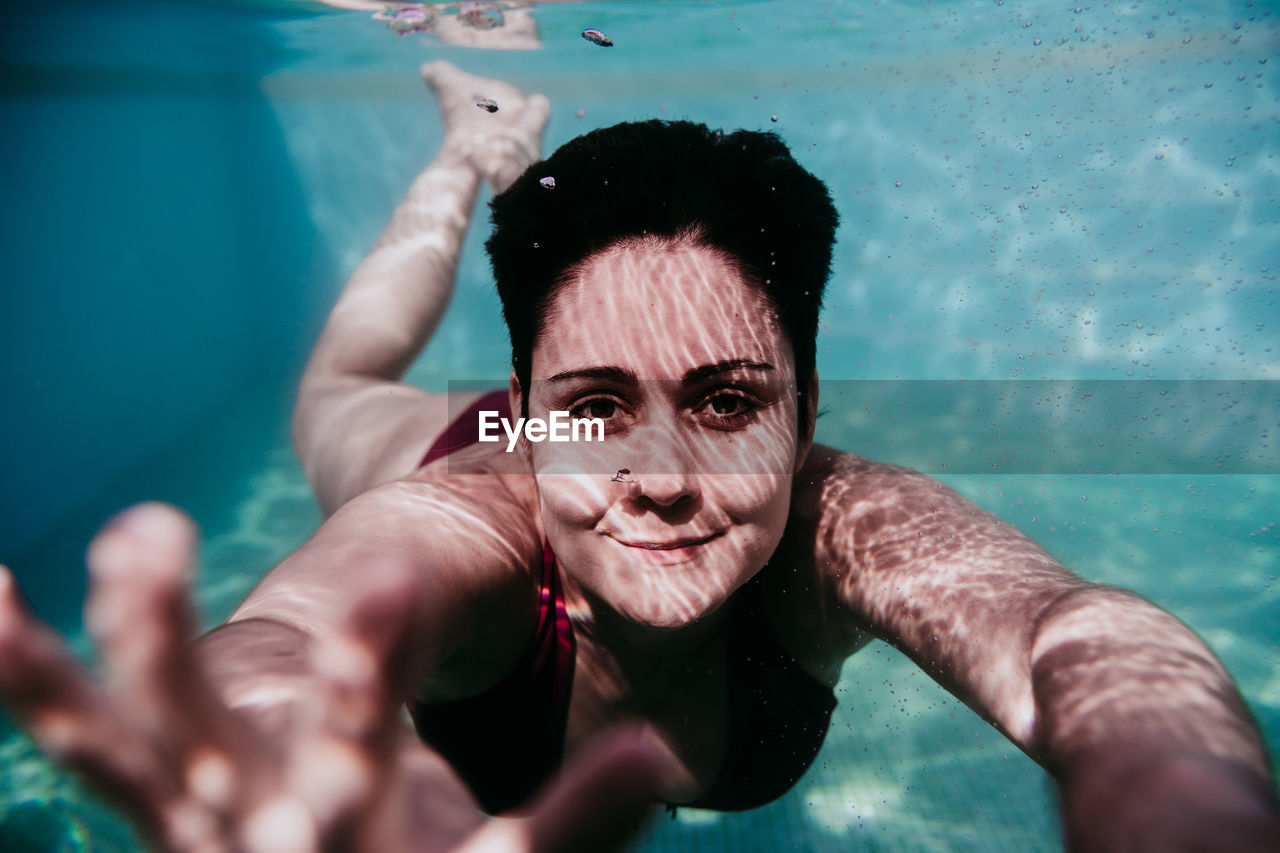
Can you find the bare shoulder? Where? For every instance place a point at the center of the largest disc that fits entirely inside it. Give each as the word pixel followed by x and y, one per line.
pixel 850 501
pixel 468 535
pixel 899 550
pixel 837 497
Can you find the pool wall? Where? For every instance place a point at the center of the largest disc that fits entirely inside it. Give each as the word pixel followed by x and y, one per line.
pixel 156 255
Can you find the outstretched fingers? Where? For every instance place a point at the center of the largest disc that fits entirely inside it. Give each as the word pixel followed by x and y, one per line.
pixel 210 770
pixel 53 696
pixel 347 766
pixel 598 802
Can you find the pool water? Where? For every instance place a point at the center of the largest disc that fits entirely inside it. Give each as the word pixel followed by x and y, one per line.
pixel 1029 191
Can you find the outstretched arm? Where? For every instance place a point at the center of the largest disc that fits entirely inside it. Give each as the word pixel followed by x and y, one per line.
pixel 1151 743
pixel 355 425
pixel 273 733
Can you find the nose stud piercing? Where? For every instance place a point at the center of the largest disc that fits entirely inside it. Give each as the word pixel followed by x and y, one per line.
pixel 623 476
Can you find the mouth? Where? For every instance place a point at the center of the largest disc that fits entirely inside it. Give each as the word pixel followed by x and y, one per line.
pixel 669 545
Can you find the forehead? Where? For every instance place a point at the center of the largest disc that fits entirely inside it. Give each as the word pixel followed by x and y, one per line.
pixel 659 309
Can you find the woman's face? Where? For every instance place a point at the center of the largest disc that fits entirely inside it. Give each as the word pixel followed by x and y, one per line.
pixel 687 495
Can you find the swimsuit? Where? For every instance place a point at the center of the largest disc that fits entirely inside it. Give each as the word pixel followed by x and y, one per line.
pixel 509 740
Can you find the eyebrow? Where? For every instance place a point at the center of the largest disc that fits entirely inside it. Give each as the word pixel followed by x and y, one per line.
pixel 691 377
pixel 610 374
pixel 698 374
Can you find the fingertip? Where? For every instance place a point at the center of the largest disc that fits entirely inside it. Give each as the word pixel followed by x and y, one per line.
pixel 156 519
pixel 10 611
pixel 332 775
pixel 150 539
pixel 344 659
pixel 282 825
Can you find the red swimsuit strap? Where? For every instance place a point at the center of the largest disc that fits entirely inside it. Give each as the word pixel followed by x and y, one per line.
pixel 464 430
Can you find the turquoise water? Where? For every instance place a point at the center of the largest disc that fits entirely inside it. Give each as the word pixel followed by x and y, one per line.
pixel 1028 191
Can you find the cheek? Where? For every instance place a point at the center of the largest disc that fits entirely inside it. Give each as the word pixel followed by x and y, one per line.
pixel 571 500
pixel 758 505
pixel 755 498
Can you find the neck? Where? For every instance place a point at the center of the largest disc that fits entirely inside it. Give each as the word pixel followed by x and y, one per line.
pixel 642 653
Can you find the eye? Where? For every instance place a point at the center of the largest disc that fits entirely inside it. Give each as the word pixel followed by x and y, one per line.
pixel 606 409
pixel 726 409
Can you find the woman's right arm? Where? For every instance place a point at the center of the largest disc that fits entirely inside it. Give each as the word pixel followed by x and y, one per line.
pixel 281 731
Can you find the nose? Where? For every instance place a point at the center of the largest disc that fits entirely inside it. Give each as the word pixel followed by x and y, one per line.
pixel 664 474
pixel 667 490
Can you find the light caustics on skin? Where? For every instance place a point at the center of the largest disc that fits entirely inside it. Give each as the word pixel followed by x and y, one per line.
pixel 684 361
pixel 412 501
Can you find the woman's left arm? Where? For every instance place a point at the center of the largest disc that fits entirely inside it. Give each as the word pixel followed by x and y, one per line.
pixel 1151 743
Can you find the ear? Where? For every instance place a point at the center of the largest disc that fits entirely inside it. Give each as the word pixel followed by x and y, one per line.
pixel 515 399
pixel 810 403
pixel 515 395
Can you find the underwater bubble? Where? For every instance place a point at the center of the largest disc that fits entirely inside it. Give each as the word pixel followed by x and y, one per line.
pixel 489 105
pixel 580 113
pixel 596 37
pixel 410 19
pixel 548 182
pixel 773 118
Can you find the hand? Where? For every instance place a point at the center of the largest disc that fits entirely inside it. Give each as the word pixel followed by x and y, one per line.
pixel 498 145
pixel 343 773
pixel 1171 804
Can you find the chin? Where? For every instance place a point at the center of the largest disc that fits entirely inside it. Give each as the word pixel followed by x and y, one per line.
pixel 669 608
pixel 661 618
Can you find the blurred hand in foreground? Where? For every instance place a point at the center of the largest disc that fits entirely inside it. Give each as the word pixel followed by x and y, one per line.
pixel 343 773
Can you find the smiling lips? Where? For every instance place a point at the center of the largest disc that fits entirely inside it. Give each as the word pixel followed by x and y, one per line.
pixel 669 546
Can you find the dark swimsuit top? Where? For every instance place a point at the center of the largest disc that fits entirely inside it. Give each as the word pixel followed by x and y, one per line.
pixel 507 741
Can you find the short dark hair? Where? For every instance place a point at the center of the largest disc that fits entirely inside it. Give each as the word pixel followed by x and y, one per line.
pixel 742 193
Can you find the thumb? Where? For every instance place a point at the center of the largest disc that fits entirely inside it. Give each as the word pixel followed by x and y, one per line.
pixel 599 801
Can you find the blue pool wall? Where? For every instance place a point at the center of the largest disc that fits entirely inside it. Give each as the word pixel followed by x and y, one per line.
pixel 158 259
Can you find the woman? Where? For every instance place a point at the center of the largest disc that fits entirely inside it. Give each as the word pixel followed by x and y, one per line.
pixel 701 573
